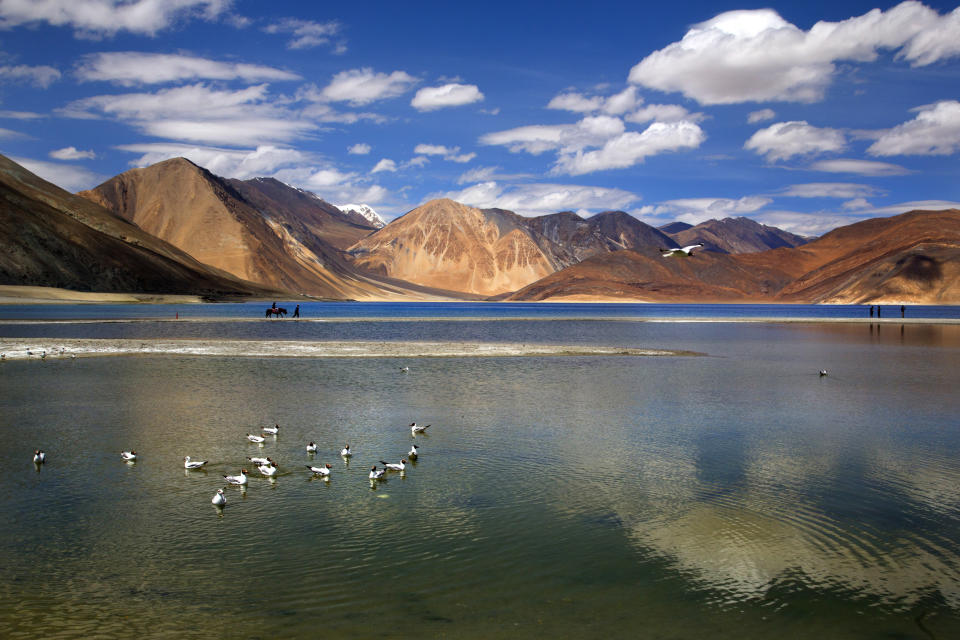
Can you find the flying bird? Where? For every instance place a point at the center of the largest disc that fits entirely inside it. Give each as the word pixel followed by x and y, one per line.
pixel 680 251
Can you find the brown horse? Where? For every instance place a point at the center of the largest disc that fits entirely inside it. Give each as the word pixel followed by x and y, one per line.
pixel 280 312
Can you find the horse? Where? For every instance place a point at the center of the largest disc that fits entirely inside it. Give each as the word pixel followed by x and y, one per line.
pixel 280 312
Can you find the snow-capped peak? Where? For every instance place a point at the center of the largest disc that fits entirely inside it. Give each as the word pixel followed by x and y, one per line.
pixel 366 212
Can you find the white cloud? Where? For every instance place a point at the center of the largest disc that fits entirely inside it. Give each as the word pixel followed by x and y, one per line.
pixel 541 199
pixel 592 131
pixel 935 131
pixel 760 116
pixel 363 86
pixel 417 161
pixel 359 149
pixel 448 95
pixel 845 190
pixel 696 210
pixel 129 68
pixel 93 18
pixel 755 55
pixel 308 34
pixel 8 133
pixel 663 113
pixel 386 164
pixel 197 113
pixel 856 204
pixel 616 104
pixel 21 115
pixel 462 158
pixel 631 148
pixel 229 163
pixel 489 174
pixel 72 153
pixel 784 140
pixel 435 149
pixel 65 176
pixel 42 76
pixel 859 167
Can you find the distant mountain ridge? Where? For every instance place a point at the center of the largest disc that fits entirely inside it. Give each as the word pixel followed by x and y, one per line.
pixel 365 213
pixel 735 235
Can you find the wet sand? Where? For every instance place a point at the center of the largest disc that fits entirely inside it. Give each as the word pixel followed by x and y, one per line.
pixel 63 348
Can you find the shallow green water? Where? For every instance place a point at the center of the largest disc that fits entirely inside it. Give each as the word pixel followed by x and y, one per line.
pixel 729 496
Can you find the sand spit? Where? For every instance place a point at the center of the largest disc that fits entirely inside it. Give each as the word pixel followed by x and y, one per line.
pixel 53 349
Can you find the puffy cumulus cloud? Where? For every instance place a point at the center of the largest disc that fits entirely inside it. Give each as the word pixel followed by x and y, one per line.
pixel 591 131
pixel 308 34
pixel 333 185
pixel 448 95
pixel 934 131
pixel 859 167
pixel 72 153
pixel 755 55
pixel 68 177
pixel 630 148
pixel 844 190
pixel 856 204
pixel 363 86
pixel 359 149
pixel 96 18
pixel 784 140
pixel 761 115
pixel 541 199
pixel 40 76
pixel 616 104
pixel 696 210
pixel 229 163
pixel 197 113
pixel 130 68
pixel 663 113
pixel 434 149
pixel 385 164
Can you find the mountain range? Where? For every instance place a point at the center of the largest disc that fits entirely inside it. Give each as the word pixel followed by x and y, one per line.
pixel 225 238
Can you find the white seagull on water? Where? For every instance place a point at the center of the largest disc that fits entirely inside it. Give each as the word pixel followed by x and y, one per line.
pixel 259 461
pixel 257 439
pixel 39 456
pixel 129 456
pixel 394 466
pixel 274 429
pixel 219 499
pixel 680 251
pixel 268 469
pixel 415 428
pixel 323 471
pixel 345 452
pixel 376 474
pixel 412 454
pixel 312 447
pixel 192 464
pixel 240 479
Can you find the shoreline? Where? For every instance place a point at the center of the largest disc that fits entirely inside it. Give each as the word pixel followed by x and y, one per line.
pixel 71 348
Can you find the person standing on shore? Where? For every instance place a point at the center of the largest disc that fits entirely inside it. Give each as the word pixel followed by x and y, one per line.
pixel 871 311
pixel 296 312
pixel 903 310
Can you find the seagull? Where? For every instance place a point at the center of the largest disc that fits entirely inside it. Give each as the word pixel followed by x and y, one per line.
pixel 376 474
pixel 312 448
pixel 219 499
pixel 404 369
pixel 345 452
pixel 195 464
pixel 39 456
pixel 259 461
pixel 394 466
pixel 240 479
pixel 415 428
pixel 257 439
pixel 268 470
pixel 323 471
pixel 823 372
pixel 681 251
pixel 412 454
pixel 129 456
pixel 274 430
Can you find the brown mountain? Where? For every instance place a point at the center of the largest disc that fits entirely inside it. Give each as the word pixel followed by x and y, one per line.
pixel 737 235
pixel 601 233
pixel 451 246
pixel 910 258
pixel 269 239
pixel 52 238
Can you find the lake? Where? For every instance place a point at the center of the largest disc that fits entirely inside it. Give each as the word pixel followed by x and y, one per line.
pixel 727 495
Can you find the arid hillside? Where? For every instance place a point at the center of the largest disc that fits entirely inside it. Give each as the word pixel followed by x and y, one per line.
pixel 52 238
pixel 737 235
pixel 910 258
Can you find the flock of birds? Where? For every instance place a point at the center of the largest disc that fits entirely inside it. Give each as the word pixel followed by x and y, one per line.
pixel 268 468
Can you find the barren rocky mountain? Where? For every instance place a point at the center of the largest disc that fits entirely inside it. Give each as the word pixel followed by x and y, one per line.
pixel 52 238
pixel 736 235
pixel 913 257
pixel 601 233
pixel 270 238
pixel 451 246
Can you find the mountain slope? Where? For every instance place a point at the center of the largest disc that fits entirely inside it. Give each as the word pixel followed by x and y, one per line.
pixel 737 235
pixel 209 218
pixel 452 246
pixel 601 233
pixel 53 238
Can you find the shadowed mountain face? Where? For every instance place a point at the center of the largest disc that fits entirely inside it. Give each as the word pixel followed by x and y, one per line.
pixel 53 238
pixel 602 233
pixel 270 236
pixel 736 235
pixel 914 257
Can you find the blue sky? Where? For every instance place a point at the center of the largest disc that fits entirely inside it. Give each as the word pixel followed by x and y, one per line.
pixel 804 115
